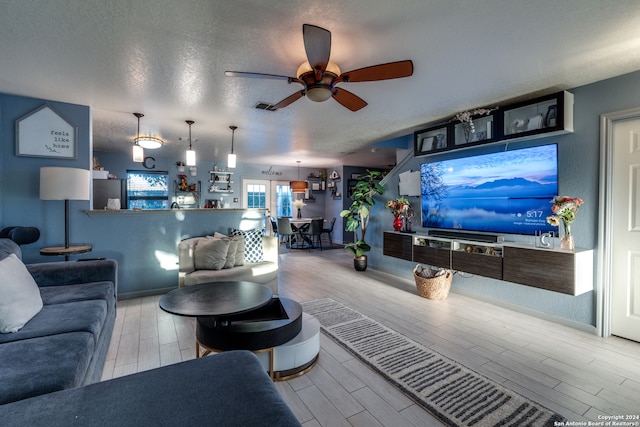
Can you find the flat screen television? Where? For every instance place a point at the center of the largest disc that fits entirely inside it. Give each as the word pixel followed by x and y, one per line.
pixel 506 192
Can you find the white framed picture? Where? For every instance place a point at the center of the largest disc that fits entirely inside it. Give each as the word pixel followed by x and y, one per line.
pixel 44 133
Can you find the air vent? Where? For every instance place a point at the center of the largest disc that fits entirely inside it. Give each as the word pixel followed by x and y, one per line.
pixel 265 106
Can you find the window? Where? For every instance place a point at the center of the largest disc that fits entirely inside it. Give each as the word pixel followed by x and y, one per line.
pixel 256 196
pixel 283 201
pixel 147 190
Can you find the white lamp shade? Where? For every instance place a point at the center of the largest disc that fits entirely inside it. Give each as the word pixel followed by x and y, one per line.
pixel 138 154
pixel 64 183
pixel 191 158
pixel 231 161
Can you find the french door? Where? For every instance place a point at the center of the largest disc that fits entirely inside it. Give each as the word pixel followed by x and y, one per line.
pixel 274 196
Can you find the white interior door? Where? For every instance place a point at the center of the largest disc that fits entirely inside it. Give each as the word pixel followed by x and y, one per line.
pixel 256 194
pixel 625 230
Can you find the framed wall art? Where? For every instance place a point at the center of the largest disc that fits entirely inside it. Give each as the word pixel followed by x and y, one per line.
pixel 45 133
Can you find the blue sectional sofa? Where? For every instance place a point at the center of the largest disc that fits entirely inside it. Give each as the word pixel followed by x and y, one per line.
pixel 226 389
pixel 65 345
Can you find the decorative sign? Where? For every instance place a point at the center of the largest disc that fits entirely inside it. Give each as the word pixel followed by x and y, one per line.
pixel 271 172
pixel 44 133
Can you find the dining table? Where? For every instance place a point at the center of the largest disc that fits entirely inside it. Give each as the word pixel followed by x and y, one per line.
pixel 300 226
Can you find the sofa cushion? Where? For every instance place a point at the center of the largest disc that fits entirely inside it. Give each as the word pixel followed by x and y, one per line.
pixel 238 255
pixel 211 254
pixel 83 316
pixel 43 365
pixel 19 295
pixel 84 292
pixel 252 244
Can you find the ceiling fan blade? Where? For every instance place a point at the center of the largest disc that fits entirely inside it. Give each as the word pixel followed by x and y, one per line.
pixel 259 76
pixel 391 70
pixel 289 100
pixel 317 44
pixel 348 99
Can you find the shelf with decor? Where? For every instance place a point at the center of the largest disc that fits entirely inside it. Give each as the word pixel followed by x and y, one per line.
pixel 187 197
pixel 543 116
pixel 551 114
pixel 477 127
pixel 220 182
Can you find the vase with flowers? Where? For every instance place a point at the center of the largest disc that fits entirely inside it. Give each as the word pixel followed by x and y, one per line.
pixel 399 208
pixel 564 211
pixel 299 204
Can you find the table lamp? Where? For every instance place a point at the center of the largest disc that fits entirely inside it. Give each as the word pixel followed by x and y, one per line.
pixel 64 184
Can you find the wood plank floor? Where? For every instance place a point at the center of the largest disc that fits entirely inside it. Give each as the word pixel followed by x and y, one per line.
pixel 579 375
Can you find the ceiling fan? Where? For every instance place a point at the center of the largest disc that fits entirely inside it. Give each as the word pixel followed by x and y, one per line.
pixel 320 77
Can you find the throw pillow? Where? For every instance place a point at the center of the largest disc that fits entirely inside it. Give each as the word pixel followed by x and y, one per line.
pixel 20 298
pixel 239 255
pixel 252 244
pixel 211 254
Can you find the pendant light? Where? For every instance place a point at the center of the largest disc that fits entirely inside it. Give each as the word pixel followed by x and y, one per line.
pixel 138 151
pixel 231 159
pixel 298 187
pixel 191 155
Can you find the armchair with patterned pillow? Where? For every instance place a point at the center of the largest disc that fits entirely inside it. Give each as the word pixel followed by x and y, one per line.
pixel 241 255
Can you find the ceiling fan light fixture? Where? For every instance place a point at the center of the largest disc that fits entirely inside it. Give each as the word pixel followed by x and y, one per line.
pixel 319 93
pixel 305 68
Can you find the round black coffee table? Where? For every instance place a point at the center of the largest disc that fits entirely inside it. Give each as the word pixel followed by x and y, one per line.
pixel 216 301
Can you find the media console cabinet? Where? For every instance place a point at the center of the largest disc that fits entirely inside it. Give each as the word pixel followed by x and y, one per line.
pixel 567 272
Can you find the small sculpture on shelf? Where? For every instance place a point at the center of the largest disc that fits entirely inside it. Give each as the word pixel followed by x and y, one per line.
pixel 183 185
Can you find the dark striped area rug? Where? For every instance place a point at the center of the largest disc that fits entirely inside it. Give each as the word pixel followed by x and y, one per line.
pixel 453 393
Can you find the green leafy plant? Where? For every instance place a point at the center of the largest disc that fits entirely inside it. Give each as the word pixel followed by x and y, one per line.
pixel 358 215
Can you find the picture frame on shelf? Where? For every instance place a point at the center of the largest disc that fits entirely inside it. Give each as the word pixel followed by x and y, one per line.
pixel 431 140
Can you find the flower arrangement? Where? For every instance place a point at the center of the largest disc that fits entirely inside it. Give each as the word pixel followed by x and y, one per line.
pixel 299 203
pixel 399 206
pixel 467 116
pixel 564 209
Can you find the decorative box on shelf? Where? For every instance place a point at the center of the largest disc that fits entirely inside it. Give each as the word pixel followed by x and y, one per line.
pixel 551 114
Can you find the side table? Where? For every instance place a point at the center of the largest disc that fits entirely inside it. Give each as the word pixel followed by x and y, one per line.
pixel 66 251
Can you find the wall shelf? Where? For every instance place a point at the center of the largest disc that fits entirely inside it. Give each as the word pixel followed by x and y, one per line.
pixel 220 182
pixel 543 116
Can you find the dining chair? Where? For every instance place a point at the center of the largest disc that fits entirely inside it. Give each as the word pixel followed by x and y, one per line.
pixel 285 230
pixel 314 231
pixel 328 231
pixel 274 226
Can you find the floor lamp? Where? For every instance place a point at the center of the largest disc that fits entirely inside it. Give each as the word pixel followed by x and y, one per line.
pixel 64 184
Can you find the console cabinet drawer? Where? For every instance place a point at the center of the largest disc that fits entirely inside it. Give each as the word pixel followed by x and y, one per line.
pixel 480 264
pixel 398 246
pixel 566 272
pixel 432 256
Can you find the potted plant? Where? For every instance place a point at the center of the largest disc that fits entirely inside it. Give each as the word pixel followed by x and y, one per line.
pixel 358 215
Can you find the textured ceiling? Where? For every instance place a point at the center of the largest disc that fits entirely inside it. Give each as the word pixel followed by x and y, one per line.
pixel 166 59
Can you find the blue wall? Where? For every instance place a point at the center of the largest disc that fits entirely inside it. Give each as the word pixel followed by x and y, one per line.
pixel 579 159
pixel 145 245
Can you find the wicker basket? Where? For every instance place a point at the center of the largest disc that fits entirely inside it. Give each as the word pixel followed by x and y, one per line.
pixel 436 288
